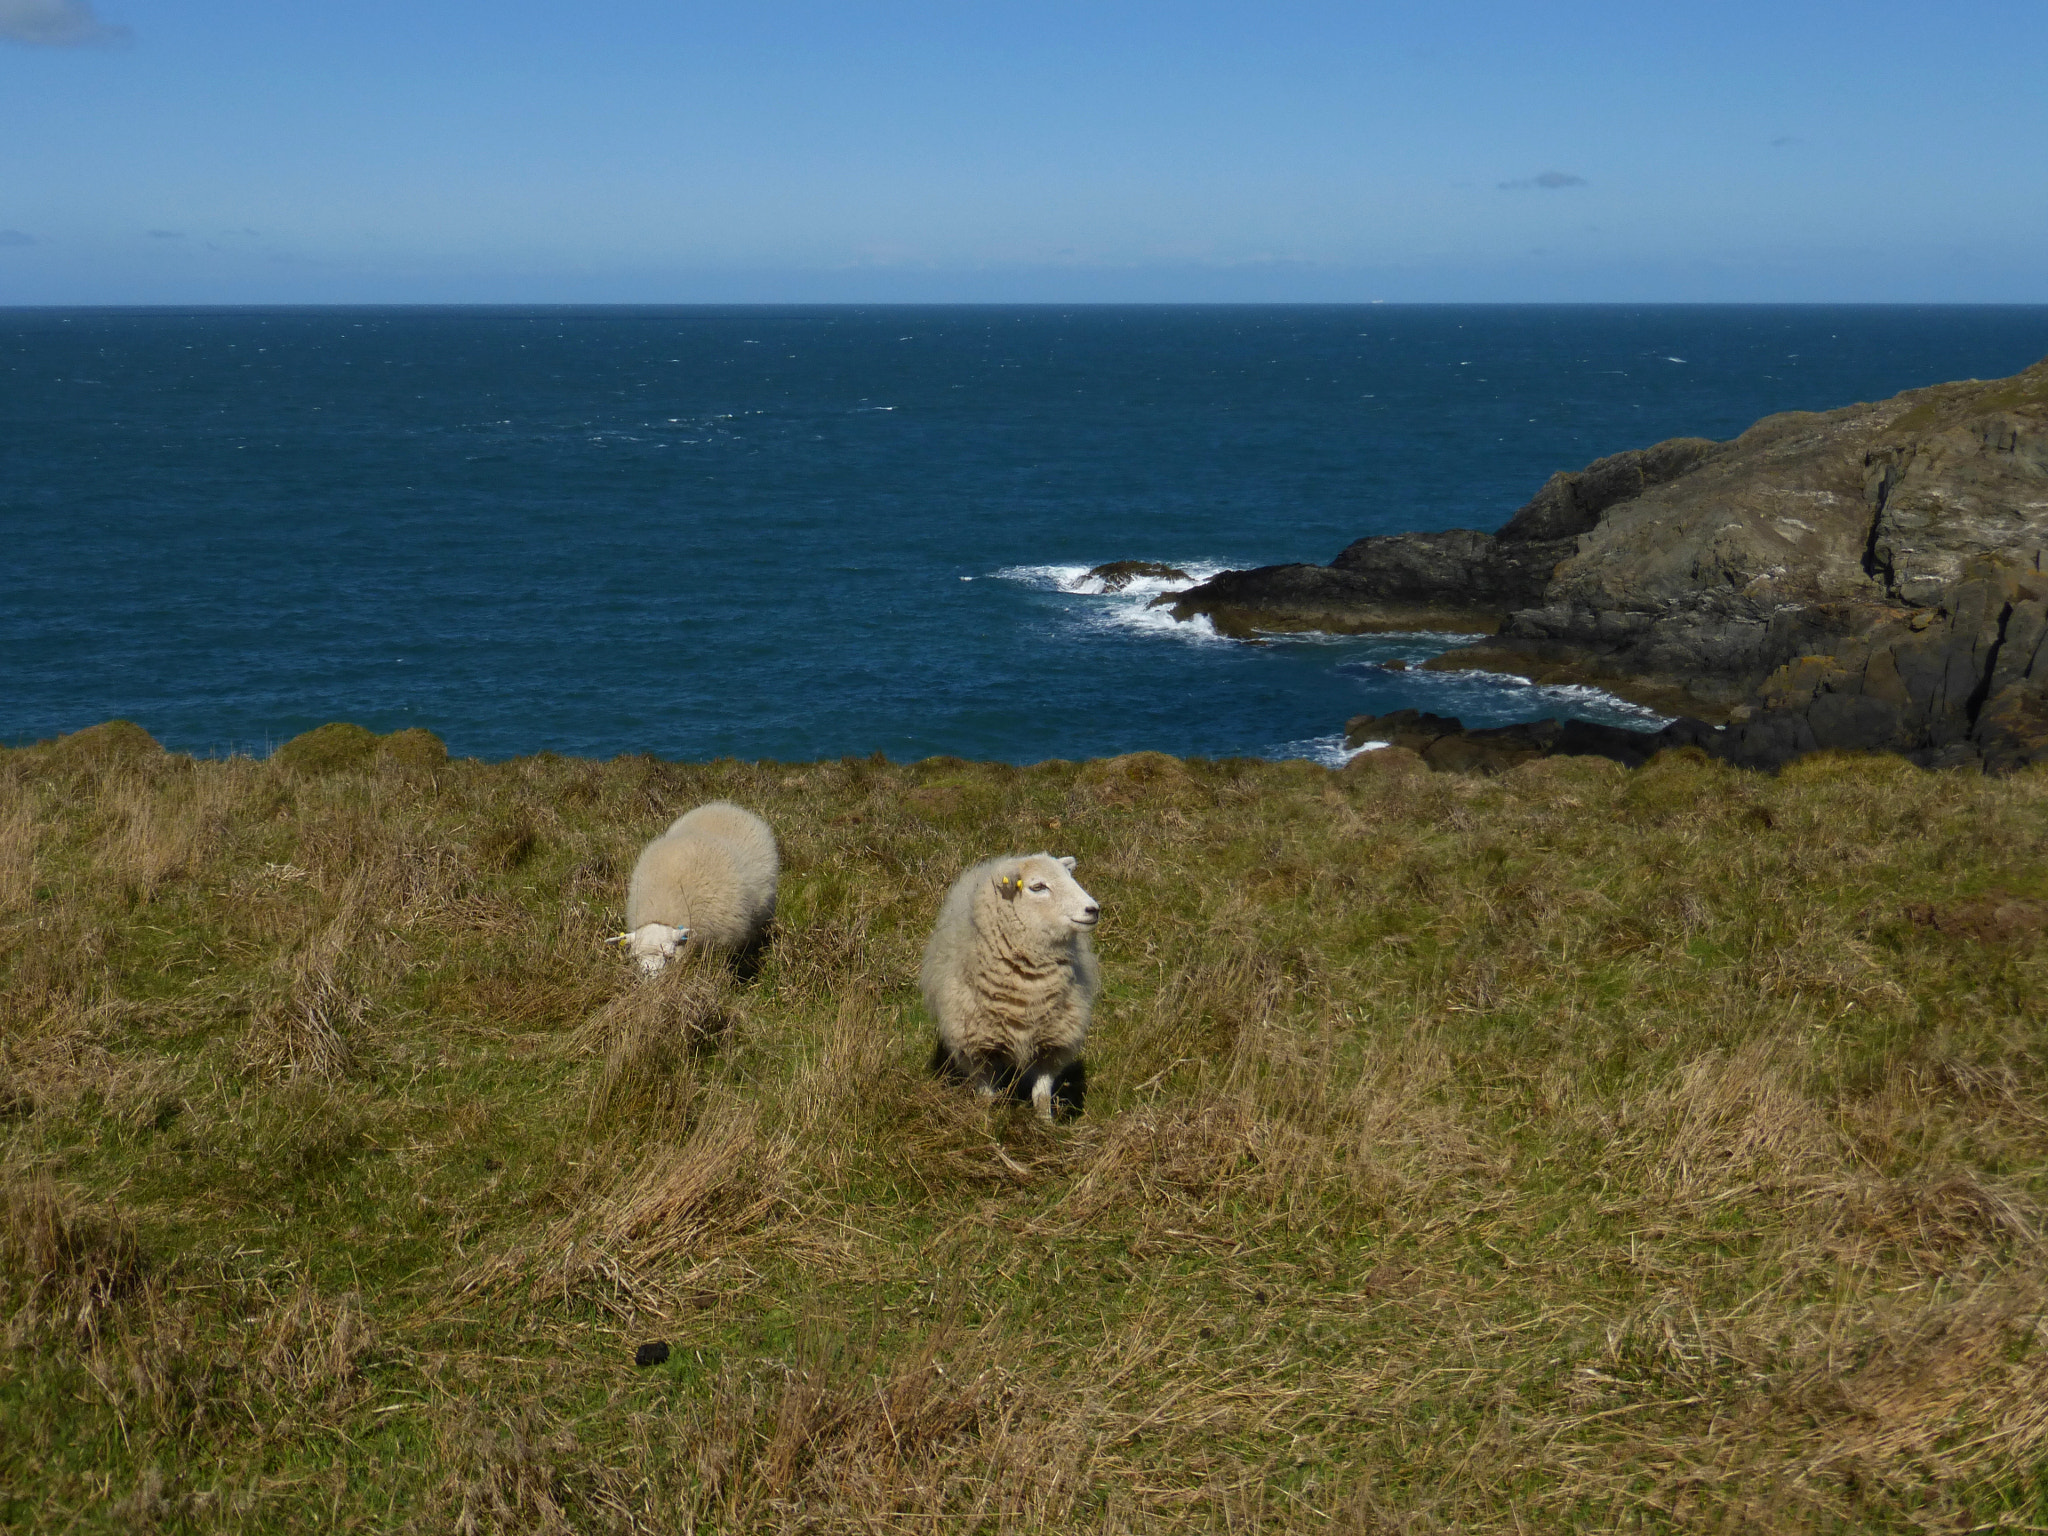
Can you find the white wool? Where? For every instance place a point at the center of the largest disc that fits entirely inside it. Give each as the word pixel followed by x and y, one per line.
pixel 713 874
pixel 1010 974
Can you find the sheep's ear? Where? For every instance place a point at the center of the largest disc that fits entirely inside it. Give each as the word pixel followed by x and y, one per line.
pixel 1067 864
pixel 1007 886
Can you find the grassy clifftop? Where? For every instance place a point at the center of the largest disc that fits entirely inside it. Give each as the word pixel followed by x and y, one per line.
pixel 1573 1148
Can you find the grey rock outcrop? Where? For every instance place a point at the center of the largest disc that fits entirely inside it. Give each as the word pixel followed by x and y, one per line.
pixel 1458 579
pixel 1959 684
pixel 1889 555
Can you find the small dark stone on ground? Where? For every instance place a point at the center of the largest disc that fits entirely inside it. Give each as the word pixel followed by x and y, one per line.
pixel 651 1354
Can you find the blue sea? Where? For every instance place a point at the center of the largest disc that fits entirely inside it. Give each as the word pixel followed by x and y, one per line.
pixel 795 533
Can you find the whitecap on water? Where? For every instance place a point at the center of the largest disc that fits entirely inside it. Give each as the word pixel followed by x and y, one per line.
pixel 1483 699
pixel 1082 580
pixel 1128 608
pixel 1042 578
pixel 1330 751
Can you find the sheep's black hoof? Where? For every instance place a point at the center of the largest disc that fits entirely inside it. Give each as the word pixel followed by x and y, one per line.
pixel 1070 1091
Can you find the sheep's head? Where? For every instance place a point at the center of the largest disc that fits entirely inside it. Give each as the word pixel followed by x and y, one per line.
pixel 1044 894
pixel 652 944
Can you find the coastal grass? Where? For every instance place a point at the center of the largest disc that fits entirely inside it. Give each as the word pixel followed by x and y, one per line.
pixel 1574 1149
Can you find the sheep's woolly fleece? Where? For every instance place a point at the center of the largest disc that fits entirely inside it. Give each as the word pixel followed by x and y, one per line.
pixel 1010 974
pixel 710 879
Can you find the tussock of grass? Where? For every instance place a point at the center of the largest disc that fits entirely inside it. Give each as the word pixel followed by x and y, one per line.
pixel 1572 1149
pixel 652 1036
pixel 64 1266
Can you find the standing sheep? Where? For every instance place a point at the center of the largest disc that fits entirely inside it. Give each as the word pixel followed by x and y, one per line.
pixel 1010 976
pixel 710 877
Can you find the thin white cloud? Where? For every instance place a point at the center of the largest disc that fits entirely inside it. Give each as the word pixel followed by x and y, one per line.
pixel 57 24
pixel 1549 181
pixel 16 237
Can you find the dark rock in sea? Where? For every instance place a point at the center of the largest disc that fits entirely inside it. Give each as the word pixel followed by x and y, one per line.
pixel 1118 574
pixel 1865 578
pixel 1282 598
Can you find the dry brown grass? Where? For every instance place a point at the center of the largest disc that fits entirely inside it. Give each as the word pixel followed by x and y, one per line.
pixel 305 1027
pixel 1579 1149
pixel 645 1242
pixel 65 1264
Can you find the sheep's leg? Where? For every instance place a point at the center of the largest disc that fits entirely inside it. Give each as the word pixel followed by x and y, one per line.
pixel 984 1080
pixel 1041 1096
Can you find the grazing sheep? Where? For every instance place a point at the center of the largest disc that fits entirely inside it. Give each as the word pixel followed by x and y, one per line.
pixel 709 878
pixel 1011 978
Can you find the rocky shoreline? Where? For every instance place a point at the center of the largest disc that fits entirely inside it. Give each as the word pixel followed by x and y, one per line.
pixel 1873 578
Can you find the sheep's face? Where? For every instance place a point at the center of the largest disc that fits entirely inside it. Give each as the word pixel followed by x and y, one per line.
pixel 654 945
pixel 1046 896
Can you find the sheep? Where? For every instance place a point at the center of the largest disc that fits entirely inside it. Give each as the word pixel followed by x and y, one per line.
pixel 710 878
pixel 1010 977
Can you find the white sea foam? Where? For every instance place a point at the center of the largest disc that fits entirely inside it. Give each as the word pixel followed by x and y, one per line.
pixel 1531 700
pixel 1330 751
pixel 1141 615
pixel 1076 579
pixel 1043 578
pixel 1128 609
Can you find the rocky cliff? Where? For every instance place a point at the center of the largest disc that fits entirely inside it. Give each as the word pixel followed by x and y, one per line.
pixel 1865 577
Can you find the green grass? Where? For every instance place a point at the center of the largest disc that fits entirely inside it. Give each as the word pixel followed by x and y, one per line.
pixel 1573 1149
pixel 1948 404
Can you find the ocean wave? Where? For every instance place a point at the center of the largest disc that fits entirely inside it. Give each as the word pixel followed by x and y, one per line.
pixel 1080 580
pixel 1507 693
pixel 1330 751
pixel 1129 609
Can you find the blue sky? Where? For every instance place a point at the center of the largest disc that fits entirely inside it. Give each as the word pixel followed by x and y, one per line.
pixel 232 151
